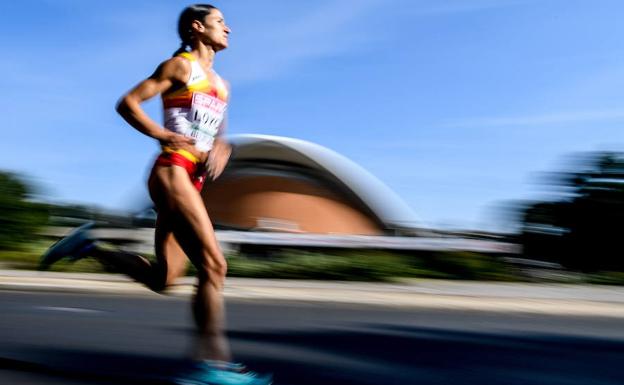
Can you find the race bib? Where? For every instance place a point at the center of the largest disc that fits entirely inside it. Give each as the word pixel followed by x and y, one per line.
pixel 206 115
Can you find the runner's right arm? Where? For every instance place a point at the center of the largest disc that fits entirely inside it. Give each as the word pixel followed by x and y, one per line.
pixel 129 107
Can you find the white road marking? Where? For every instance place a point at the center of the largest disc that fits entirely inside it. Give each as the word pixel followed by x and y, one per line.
pixel 68 309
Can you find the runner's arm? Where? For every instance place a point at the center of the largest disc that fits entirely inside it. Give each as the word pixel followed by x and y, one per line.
pixel 129 107
pixel 221 149
pixel 224 124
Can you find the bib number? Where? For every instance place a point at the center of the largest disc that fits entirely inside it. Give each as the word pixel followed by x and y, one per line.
pixel 205 115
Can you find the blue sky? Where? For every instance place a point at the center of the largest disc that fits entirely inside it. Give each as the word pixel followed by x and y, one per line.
pixel 455 105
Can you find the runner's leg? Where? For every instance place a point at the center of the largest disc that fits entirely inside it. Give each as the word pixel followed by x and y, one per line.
pixel 170 259
pixel 194 232
pixel 208 306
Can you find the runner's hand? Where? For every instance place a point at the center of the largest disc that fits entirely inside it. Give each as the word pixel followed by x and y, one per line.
pixel 176 141
pixel 218 158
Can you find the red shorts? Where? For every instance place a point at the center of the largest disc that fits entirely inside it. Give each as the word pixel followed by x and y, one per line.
pixel 194 168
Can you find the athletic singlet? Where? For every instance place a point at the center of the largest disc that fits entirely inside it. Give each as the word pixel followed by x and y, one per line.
pixel 197 109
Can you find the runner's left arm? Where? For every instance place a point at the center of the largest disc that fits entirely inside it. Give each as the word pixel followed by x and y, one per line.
pixel 221 149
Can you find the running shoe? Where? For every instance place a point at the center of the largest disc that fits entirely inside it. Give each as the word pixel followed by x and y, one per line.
pixel 73 246
pixel 209 375
pixel 225 365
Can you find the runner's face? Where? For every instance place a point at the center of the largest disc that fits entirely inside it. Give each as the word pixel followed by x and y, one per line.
pixel 215 30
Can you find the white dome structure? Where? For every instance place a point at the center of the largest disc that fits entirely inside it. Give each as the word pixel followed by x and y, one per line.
pixel 276 183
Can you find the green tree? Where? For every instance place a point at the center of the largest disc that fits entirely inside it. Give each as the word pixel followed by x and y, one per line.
pixel 20 217
pixel 584 229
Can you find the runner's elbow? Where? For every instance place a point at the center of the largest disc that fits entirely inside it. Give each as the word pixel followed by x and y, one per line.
pixel 123 106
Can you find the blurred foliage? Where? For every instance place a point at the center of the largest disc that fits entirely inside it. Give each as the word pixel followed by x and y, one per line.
pixel 606 278
pixel 27 258
pixel 580 231
pixel 470 265
pixel 347 266
pixel 21 218
pixel 583 229
pixel 367 265
pixel 344 265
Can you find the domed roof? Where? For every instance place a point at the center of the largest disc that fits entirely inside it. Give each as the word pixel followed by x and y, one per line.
pixel 384 203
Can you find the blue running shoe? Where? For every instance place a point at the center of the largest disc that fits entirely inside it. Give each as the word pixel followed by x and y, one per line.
pixel 225 365
pixel 208 375
pixel 73 246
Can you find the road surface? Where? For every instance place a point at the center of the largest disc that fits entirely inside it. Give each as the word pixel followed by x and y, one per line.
pixel 94 338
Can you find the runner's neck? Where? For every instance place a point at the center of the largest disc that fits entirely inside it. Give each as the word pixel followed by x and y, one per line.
pixel 204 55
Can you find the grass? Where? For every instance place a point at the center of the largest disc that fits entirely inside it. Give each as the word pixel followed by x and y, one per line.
pixel 606 278
pixel 343 265
pixel 367 265
pixel 27 258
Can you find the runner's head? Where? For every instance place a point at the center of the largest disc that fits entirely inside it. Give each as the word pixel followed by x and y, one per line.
pixel 205 23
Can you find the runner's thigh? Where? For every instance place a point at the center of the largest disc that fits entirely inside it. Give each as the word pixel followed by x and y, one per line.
pixel 191 224
pixel 201 256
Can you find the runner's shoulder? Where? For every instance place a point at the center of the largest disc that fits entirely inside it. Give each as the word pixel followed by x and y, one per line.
pixel 175 68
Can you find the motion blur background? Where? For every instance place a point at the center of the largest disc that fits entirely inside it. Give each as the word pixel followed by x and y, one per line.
pixel 497 117
pixel 496 125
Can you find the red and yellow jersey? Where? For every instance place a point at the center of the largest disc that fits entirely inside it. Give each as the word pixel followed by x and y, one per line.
pixel 197 109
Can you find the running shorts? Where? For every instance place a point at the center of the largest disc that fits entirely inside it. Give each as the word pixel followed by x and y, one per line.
pixel 195 169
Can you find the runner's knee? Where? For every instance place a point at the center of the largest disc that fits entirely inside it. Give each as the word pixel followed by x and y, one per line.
pixel 212 272
pixel 158 286
pixel 160 280
pixel 213 268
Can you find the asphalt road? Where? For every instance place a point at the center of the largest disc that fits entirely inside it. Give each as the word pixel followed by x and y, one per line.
pixel 65 338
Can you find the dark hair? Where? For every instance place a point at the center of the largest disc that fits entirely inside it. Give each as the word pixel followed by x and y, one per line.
pixel 188 15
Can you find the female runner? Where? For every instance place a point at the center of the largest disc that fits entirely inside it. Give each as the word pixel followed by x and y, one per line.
pixel 194 99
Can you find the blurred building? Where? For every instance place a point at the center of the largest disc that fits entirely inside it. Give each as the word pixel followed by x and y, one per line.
pixel 288 185
pixel 285 192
